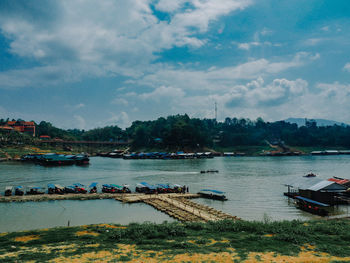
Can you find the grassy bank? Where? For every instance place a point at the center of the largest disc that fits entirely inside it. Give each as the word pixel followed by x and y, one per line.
pixel 241 241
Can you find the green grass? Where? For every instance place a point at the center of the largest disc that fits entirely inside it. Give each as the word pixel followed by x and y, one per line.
pixel 284 237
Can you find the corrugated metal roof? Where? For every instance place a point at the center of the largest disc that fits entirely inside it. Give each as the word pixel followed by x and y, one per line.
pixel 326 185
pixel 304 182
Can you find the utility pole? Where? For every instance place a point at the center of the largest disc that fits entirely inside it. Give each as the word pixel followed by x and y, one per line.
pixel 216 111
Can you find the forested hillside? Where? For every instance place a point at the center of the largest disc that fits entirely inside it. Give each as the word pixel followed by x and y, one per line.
pixel 183 131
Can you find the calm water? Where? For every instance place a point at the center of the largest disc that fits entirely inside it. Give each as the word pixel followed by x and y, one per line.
pixel 254 187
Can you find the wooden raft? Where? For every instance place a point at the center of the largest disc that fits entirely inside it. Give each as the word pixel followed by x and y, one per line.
pixel 179 207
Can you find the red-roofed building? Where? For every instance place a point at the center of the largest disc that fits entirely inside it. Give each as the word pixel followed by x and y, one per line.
pixel 341 181
pixel 23 126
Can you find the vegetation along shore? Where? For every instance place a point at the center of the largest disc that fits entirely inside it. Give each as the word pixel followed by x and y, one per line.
pixel 174 133
pixel 223 241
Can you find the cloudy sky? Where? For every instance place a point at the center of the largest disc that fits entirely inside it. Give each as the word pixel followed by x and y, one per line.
pixel 87 64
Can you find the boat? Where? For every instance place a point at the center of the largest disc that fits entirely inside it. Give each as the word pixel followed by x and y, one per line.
pixel 213 194
pixel 107 188
pixel 164 188
pixel 19 190
pixel 8 190
pixel 146 188
pixel 209 171
pixel 93 188
pixel 70 189
pixel 80 188
pixel 312 206
pixel 310 175
pixel 55 189
pixel 34 190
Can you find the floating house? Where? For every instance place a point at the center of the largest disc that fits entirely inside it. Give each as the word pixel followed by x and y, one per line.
pixel 316 189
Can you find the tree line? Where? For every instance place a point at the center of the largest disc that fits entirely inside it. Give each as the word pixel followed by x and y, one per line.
pixel 180 131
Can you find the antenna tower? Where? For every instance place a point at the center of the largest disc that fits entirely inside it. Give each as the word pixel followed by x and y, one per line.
pixel 216 111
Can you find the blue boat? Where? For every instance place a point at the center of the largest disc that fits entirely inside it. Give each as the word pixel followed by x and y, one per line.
pixel 146 188
pixel 93 187
pixel 213 194
pixel 19 190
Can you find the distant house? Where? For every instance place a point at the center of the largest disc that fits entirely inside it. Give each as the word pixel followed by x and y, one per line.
pixel 317 189
pixel 44 137
pixel 23 126
pixel 6 128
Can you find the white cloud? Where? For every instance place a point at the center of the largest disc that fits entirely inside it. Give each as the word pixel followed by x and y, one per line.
pixel 120 101
pixel 102 38
pixel 163 92
pixel 347 67
pixel 80 122
pixel 122 120
pixel 221 78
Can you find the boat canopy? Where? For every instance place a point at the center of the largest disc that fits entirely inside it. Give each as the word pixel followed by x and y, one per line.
pixel 70 186
pixel 212 191
pixel 35 187
pixel 94 184
pixel 148 185
pixel 51 186
pixel 116 186
pixel 163 186
pixel 78 185
pixel 311 201
pixel 58 186
pixel 8 187
pixel 19 187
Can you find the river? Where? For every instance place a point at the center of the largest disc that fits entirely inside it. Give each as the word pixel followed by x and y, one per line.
pixel 253 185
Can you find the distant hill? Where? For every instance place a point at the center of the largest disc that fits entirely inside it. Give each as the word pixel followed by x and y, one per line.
pixel 320 122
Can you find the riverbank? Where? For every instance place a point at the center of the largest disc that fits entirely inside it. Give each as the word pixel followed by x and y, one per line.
pixel 9 153
pixel 223 241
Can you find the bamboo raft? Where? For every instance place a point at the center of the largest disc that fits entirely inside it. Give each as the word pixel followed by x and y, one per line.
pixel 179 207
pixel 176 205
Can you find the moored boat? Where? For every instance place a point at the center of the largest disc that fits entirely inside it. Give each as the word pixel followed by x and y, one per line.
pixel 213 194
pixel 35 190
pixel 93 188
pixel 8 190
pixel 19 190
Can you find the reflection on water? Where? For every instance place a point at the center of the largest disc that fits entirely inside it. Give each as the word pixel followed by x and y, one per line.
pixel 254 187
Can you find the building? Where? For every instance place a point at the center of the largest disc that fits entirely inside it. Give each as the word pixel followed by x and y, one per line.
pixel 23 126
pixel 316 189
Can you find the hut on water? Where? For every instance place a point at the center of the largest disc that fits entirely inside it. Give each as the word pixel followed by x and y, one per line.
pixel 316 189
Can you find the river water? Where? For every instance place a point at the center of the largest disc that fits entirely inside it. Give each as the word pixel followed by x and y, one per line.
pixel 253 185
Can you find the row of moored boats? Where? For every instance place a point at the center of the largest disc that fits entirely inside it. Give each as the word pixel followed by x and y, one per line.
pixel 79 188
pixel 54 159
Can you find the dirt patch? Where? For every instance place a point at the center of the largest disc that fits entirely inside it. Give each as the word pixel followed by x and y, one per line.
pixel 85 232
pixel 302 257
pixel 101 256
pixel 27 238
pixel 212 257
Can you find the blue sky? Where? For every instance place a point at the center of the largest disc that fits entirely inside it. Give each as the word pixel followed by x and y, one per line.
pixel 87 64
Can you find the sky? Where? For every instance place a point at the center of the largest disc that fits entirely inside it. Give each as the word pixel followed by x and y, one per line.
pixel 86 64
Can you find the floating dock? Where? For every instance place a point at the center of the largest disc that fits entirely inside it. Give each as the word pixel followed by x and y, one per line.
pixel 176 205
pixel 179 207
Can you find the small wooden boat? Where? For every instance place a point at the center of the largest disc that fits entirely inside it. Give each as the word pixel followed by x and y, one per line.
pixel 146 188
pixel 80 188
pixel 312 206
pixel 8 190
pixel 310 175
pixel 19 190
pixel 34 190
pixel 93 188
pixel 213 194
